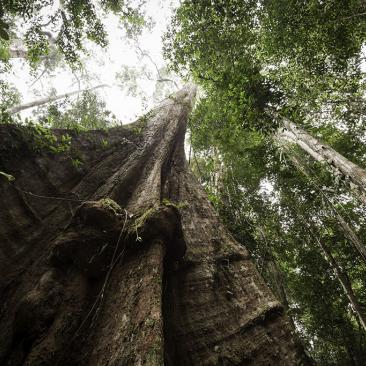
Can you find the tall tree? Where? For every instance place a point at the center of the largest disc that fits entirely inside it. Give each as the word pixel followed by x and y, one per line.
pixel 325 154
pixel 124 261
pixel 267 202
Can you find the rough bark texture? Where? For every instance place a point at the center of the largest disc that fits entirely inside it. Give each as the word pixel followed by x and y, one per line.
pixel 324 153
pixel 83 282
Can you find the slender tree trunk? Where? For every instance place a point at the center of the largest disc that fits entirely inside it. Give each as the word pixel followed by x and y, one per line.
pixel 345 283
pixel 352 236
pixel 38 102
pixel 348 231
pixel 324 153
pixel 122 261
pixel 340 274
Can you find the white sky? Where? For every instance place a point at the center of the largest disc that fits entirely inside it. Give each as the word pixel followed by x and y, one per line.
pixel 103 64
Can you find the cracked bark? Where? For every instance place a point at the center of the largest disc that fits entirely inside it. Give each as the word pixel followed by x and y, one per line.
pixel 78 289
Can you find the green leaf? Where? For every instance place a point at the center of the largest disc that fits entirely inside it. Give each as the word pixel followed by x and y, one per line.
pixel 4 34
pixel 3 24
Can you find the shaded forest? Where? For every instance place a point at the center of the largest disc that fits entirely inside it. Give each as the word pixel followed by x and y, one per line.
pixel 225 226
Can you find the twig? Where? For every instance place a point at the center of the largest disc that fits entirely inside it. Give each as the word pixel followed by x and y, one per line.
pixel 42 73
pixel 349 17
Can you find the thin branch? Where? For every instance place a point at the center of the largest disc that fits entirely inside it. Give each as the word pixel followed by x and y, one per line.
pixel 39 77
pixel 160 78
pixel 349 17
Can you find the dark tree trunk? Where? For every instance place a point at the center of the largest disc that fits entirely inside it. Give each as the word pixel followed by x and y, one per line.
pixel 126 262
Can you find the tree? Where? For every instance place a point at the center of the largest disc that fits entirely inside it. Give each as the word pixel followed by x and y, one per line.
pixel 325 154
pixel 280 213
pixel 87 112
pixel 50 99
pixel 65 25
pixel 9 96
pixel 123 260
pixel 263 59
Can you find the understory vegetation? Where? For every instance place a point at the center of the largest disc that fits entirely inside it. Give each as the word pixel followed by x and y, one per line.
pixel 295 197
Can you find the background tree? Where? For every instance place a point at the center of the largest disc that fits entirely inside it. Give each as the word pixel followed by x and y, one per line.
pixel 267 202
pixel 88 112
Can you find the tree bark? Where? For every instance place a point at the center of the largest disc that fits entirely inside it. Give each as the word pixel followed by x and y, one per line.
pixel 358 245
pixel 122 260
pixel 325 154
pixel 345 283
pixel 39 102
pixel 347 229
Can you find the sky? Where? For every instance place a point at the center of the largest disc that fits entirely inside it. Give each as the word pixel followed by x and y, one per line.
pixel 102 65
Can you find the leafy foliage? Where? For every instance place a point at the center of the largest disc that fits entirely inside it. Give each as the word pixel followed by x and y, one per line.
pixel 261 59
pixel 66 24
pixel 87 112
pixel 257 61
pixel 279 214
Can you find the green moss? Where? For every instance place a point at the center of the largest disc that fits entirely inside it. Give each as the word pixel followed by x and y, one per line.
pixel 154 354
pixel 149 322
pixel 140 220
pixel 38 139
pixel 109 204
pixel 139 126
pixel 176 205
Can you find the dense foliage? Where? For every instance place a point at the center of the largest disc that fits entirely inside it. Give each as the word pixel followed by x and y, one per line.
pixel 257 62
pixel 66 25
pixel 86 113
pixel 279 203
pixel 263 58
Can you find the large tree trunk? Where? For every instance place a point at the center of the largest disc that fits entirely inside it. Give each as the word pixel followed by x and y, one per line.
pixel 39 102
pixel 325 154
pixel 123 261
